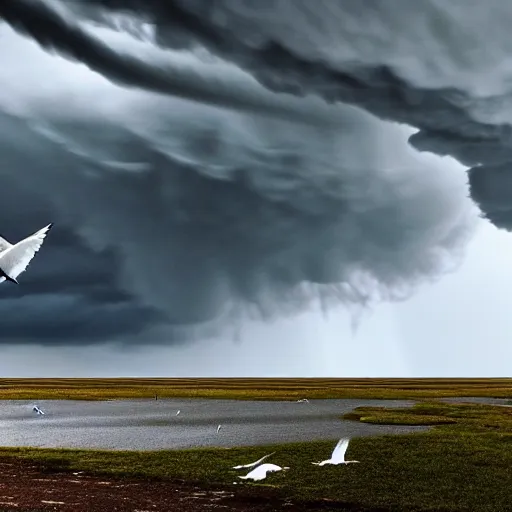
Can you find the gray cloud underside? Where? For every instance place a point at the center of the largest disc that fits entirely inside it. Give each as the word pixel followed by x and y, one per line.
pixel 56 32
pixel 198 212
pixel 232 30
pixel 72 297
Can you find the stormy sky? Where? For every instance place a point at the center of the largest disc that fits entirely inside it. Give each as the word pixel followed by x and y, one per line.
pixel 257 188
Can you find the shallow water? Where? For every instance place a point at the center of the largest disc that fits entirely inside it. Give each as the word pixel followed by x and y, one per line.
pixel 153 424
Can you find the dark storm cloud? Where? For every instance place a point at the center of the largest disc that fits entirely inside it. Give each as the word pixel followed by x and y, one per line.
pixel 239 32
pixel 199 215
pixel 56 31
pixel 64 319
pixel 70 295
pixel 226 216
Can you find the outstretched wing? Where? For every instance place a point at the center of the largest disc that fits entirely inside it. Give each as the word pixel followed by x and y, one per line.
pixel 338 454
pixel 252 464
pixel 15 259
pixel 4 244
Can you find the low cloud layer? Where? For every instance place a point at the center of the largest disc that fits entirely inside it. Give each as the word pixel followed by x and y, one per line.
pixel 190 192
pixel 431 65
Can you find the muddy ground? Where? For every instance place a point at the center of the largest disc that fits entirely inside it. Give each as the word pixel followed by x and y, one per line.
pixel 26 486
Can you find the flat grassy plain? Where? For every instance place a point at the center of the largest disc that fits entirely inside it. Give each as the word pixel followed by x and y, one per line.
pixel 461 465
pixel 249 389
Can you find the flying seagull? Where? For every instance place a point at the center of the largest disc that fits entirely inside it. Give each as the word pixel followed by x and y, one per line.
pixel 338 454
pixel 260 473
pixel 252 464
pixel 178 413
pixel 36 409
pixel 303 400
pixel 218 428
pixel 14 259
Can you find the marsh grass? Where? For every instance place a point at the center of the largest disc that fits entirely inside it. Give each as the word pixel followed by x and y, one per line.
pixel 461 464
pixel 459 417
pixel 249 389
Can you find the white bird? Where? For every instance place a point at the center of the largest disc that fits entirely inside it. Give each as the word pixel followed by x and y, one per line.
pixel 218 428
pixel 36 409
pixel 178 413
pixel 252 464
pixel 260 473
pixel 303 400
pixel 338 454
pixel 14 259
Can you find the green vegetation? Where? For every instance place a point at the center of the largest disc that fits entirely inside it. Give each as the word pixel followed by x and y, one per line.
pixel 249 389
pixel 457 417
pixel 462 464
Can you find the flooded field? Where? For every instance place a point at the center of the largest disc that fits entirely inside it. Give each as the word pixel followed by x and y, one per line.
pixel 155 424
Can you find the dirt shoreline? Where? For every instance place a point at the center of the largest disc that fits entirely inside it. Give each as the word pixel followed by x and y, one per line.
pixel 26 486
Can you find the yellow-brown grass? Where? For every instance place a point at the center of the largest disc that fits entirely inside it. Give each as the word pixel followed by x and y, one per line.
pixel 251 388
